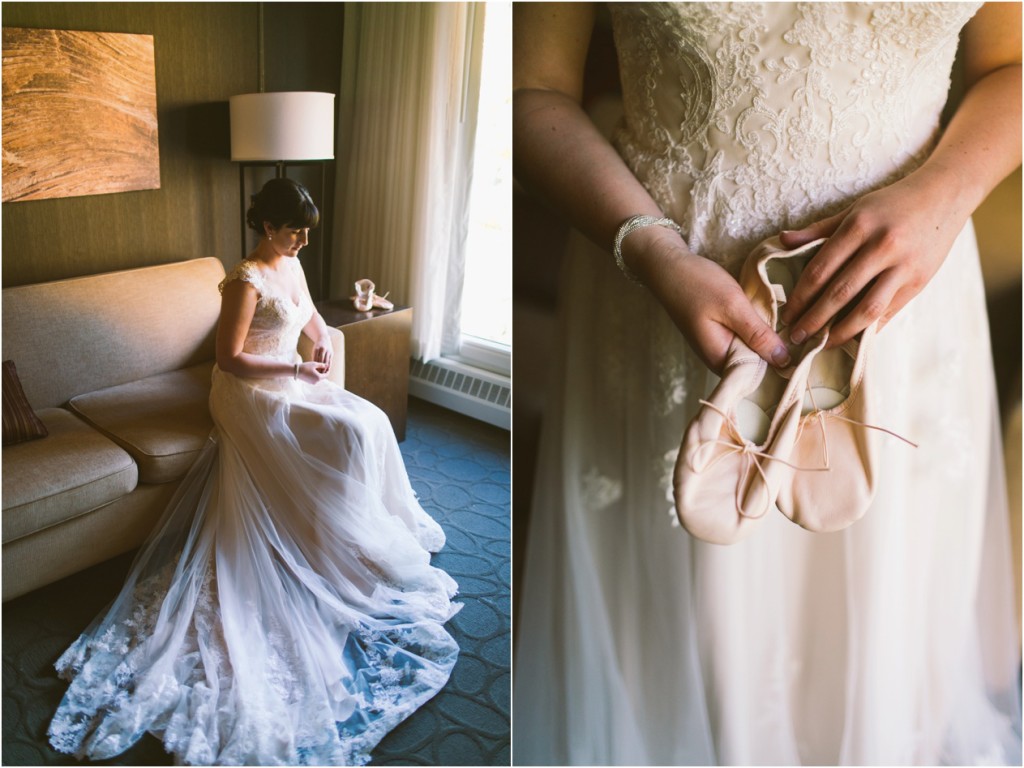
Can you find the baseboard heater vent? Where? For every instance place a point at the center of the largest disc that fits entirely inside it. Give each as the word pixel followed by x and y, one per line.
pixel 464 389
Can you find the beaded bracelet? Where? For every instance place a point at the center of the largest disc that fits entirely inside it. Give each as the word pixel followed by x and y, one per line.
pixel 632 224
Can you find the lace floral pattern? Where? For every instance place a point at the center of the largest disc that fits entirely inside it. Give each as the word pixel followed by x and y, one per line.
pixel 667 473
pixel 387 664
pixel 813 104
pixel 599 491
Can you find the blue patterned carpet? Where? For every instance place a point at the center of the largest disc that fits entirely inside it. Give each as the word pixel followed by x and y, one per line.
pixel 461 470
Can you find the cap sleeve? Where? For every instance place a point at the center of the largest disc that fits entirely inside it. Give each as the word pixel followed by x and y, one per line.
pixel 247 272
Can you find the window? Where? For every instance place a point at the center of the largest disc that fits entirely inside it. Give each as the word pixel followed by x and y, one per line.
pixel 486 332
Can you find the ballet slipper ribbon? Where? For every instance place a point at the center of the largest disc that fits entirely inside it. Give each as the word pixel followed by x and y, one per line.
pixel 752 458
pixel 822 415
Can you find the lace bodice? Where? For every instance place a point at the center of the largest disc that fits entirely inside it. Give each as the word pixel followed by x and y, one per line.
pixel 745 118
pixel 278 320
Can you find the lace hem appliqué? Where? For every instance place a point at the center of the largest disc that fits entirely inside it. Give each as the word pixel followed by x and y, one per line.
pixel 183 686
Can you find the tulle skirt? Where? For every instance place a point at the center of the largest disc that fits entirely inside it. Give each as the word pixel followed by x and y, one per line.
pixel 892 642
pixel 285 610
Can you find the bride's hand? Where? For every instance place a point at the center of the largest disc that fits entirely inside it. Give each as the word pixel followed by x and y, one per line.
pixel 703 300
pixel 312 372
pixel 323 352
pixel 880 253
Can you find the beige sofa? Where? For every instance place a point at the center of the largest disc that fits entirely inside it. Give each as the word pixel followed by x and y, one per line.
pixel 117 366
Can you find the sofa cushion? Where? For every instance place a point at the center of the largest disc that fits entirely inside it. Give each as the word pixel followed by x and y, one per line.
pixel 163 421
pixel 20 421
pixel 73 471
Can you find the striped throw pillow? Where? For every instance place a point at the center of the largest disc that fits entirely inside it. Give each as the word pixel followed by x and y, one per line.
pixel 20 421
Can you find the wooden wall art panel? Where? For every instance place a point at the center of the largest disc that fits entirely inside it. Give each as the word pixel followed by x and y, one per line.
pixel 79 114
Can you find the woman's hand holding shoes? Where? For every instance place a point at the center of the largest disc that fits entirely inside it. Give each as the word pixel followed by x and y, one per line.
pixel 881 252
pixel 703 300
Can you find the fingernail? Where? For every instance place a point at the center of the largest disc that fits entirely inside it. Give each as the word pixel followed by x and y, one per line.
pixel 780 356
pixel 797 336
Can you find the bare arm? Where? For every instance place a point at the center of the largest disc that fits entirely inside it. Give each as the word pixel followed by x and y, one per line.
pixel 316 329
pixel 238 305
pixel 893 241
pixel 558 151
pixel 561 156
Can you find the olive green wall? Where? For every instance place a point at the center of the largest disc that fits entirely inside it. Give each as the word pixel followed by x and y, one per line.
pixel 205 52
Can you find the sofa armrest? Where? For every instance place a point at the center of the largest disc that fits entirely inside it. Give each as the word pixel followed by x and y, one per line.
pixel 337 374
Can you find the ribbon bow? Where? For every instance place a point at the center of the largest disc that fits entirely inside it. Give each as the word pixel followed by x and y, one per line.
pixel 752 459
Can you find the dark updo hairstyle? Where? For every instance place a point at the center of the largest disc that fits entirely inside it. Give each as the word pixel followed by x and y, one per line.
pixel 282 203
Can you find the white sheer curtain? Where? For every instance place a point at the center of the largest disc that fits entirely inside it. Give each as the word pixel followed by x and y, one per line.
pixel 407 115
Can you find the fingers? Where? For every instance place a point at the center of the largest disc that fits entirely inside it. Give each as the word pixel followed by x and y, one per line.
pixel 794 238
pixel 880 302
pixel 860 275
pixel 313 371
pixel 825 283
pixel 737 318
pixel 713 346
pixel 841 292
pixel 323 355
pixel 756 334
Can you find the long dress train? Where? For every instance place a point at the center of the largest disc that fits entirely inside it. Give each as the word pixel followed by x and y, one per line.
pixel 285 610
pixel 892 642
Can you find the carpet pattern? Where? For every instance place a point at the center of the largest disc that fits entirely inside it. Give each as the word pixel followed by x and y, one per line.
pixel 460 469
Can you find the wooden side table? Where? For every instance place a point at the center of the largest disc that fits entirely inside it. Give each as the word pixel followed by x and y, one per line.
pixel 376 355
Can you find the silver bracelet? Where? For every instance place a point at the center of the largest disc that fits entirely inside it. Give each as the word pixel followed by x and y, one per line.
pixel 632 224
pixel 296 371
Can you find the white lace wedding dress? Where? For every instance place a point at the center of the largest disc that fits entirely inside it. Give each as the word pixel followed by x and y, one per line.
pixel 285 610
pixel 891 642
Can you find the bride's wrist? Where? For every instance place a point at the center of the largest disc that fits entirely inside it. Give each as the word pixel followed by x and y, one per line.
pixel 947 187
pixel 646 251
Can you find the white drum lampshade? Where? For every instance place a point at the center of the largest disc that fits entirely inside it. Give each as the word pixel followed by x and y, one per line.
pixel 287 125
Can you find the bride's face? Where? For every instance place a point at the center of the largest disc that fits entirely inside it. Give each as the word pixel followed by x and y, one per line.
pixel 288 241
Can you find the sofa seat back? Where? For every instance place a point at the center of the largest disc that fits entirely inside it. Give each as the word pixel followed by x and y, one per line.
pixel 84 334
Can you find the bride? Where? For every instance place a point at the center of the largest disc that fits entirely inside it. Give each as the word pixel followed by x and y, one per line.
pixel 892 641
pixel 285 610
